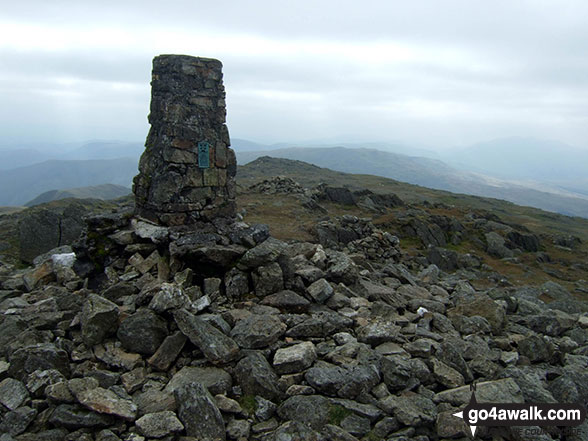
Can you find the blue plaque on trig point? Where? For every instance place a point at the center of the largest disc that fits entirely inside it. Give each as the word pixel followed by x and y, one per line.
pixel 203 155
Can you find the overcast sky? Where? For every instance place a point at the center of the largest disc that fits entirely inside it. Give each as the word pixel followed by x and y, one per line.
pixel 432 72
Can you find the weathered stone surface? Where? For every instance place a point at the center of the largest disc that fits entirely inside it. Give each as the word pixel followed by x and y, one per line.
pixel 114 356
pixel 17 421
pixel 484 307
pixel 216 380
pixel 535 348
pixel 169 296
pixel 287 301
pixel 344 382
pixel 38 381
pixel 187 109
pixel 41 356
pixel 320 291
pixel 13 393
pixel 256 377
pixel 142 332
pixel 75 417
pixel 446 375
pixel 168 351
pixel 378 332
pixel 105 401
pixel 258 331
pixel 496 247
pixel 99 319
pixel 266 252
pixel 44 229
pixel 198 412
pixel 268 279
pixel 410 409
pixel 238 429
pixel 499 391
pixel 294 358
pixel 215 345
pixel 160 424
pixel 153 401
pixel 307 409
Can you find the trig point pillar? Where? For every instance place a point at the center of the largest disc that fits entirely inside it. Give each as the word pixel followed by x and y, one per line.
pixel 187 170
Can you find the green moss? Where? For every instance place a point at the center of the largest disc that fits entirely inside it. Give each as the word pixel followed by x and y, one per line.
pixel 248 403
pixel 371 436
pixel 337 414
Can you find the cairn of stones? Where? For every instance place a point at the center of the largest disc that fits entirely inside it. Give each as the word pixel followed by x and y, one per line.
pixel 187 171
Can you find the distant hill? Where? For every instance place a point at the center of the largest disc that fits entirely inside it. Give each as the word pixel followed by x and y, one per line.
pixel 106 150
pixel 526 159
pixel 427 172
pixel 22 155
pixel 19 186
pixel 14 158
pixel 104 192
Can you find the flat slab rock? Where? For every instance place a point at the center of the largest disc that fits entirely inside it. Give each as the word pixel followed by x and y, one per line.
pixel 105 401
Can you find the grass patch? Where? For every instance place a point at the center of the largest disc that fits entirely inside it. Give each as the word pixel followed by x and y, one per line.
pixel 371 436
pixel 248 404
pixel 337 414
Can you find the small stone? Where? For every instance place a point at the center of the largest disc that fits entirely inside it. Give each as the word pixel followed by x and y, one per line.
pixel 300 389
pixel 160 424
pixel 142 332
pixel 378 332
pixel 114 356
pixel 294 358
pixel 227 405
pixel 169 296
pixel 450 426
pixel 410 409
pixel 37 381
pixel 509 357
pixel 238 429
pixel 216 346
pixel 41 356
pixel 256 377
pixel 287 301
pixel 145 230
pixel 13 393
pixel 217 381
pixel 198 412
pixel 99 319
pixel 264 409
pixel 258 331
pixel 320 291
pixel 168 351
pixel 17 421
pixel 59 392
pixel 133 380
pixel 535 348
pixel 312 410
pixel 74 417
pixel 446 375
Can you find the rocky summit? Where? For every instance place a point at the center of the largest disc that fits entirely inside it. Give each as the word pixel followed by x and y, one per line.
pixel 190 324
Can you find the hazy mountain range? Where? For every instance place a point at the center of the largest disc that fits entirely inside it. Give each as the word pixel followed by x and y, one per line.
pixel 20 185
pixel 104 191
pixel 543 174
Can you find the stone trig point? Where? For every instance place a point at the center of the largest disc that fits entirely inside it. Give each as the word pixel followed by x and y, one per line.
pixel 187 170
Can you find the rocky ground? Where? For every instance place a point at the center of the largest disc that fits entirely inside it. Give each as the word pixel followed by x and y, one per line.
pixel 222 331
